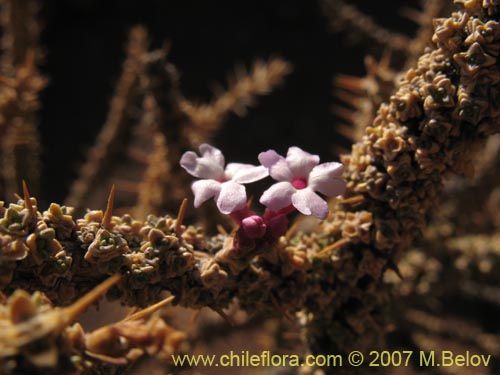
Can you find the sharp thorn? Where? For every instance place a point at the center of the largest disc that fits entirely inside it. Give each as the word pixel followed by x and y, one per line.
pixel 71 312
pixel 393 266
pixel 27 197
pixel 149 310
pixel 250 201
pixel 289 234
pixel 108 214
pixel 353 200
pixel 180 216
pixel 334 246
pixel 350 83
pixel 221 230
pixel 343 112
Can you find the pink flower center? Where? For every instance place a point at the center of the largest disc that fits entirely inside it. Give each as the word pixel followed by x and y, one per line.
pixel 299 183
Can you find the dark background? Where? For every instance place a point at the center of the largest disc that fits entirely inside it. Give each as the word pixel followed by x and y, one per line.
pixel 84 43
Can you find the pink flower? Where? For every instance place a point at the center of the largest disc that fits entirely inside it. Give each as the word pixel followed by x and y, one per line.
pixel 225 185
pixel 300 175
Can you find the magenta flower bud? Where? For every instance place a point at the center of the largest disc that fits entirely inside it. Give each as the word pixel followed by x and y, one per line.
pixel 277 226
pixel 253 226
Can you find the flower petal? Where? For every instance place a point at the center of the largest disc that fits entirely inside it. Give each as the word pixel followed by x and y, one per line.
pixel 204 167
pixel 204 190
pixel 281 172
pixel 188 161
pixel 232 197
pixel 245 173
pixel 278 196
pixel 308 202
pixel 300 162
pixel 212 153
pixel 326 178
pixel 269 158
pixel 278 167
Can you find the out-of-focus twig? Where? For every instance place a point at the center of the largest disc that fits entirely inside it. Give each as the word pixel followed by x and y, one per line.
pixel 20 84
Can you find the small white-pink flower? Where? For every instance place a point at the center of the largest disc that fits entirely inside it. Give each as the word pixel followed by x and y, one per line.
pixel 225 185
pixel 299 177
